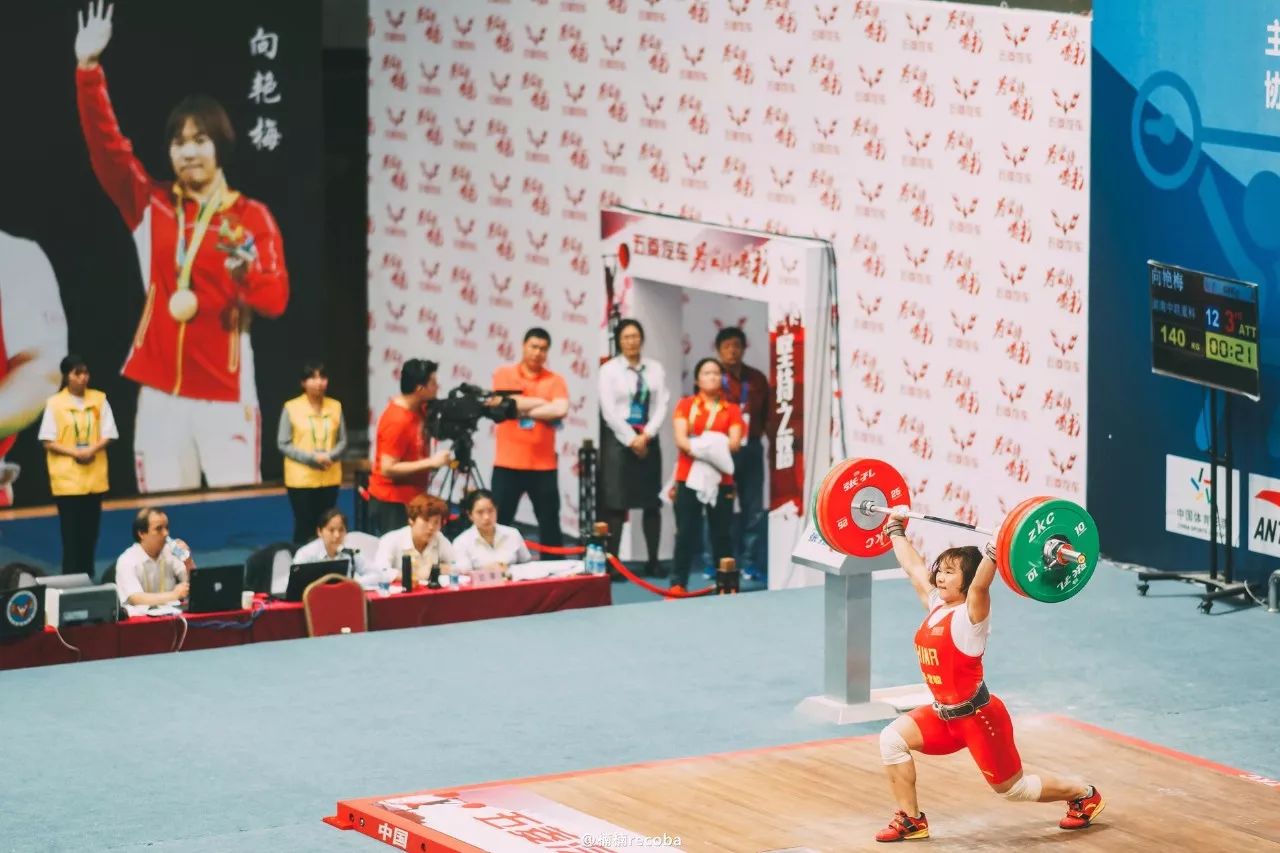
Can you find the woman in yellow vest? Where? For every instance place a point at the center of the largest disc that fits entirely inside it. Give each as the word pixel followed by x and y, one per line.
pixel 312 437
pixel 76 428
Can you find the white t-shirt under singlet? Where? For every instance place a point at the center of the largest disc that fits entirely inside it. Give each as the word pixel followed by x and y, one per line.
pixel 968 637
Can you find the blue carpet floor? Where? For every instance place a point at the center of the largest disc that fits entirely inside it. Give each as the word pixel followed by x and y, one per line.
pixel 245 749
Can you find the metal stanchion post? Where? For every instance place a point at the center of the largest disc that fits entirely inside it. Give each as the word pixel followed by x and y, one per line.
pixel 846 668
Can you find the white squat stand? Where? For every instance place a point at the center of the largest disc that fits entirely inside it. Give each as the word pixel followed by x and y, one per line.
pixel 846 668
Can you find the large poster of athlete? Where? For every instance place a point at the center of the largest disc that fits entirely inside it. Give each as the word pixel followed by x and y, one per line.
pixel 169 175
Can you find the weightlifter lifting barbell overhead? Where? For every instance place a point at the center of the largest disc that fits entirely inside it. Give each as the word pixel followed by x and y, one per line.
pixel 851 510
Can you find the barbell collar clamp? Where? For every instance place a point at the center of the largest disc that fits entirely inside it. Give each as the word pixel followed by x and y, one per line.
pixel 1063 554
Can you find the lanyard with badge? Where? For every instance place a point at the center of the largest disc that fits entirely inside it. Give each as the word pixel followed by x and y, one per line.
pixel 526 422
pixel 711 415
pixel 82 440
pixel 157 582
pixel 743 388
pixel 316 443
pixel 638 415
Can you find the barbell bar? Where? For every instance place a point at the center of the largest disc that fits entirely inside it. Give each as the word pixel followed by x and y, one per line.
pixel 1055 549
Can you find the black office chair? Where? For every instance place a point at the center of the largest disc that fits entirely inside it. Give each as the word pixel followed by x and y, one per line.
pixel 257 568
pixel 109 576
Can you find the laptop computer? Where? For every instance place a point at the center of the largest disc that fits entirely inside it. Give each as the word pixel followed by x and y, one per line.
pixel 301 575
pixel 215 588
pixel 65 581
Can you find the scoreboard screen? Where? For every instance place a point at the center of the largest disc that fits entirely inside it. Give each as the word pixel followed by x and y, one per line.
pixel 1204 329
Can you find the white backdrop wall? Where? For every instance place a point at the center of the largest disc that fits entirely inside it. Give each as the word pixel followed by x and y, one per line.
pixel 942 149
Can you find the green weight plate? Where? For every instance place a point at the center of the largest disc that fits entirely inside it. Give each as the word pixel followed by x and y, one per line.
pixel 1029 568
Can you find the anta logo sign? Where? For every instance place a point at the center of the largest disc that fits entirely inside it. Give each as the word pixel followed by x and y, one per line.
pixel 1264 515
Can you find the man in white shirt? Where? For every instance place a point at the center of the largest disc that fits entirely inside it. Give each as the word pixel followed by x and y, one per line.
pixel 148 573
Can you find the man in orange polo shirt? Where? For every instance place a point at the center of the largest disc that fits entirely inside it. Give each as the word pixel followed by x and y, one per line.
pixel 401 467
pixel 526 459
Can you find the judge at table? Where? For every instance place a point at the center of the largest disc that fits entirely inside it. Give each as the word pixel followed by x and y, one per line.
pixel 487 544
pixel 331 544
pixel 420 540
pixel 148 573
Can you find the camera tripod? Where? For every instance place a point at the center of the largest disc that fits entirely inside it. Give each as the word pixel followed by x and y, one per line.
pixel 461 477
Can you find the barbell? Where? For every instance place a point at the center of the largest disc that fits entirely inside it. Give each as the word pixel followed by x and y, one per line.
pixel 1046 548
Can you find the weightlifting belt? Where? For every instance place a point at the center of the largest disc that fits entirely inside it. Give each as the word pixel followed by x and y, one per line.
pixel 964 709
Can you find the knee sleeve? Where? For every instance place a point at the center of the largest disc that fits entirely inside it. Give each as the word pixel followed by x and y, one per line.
pixel 1025 790
pixel 893 749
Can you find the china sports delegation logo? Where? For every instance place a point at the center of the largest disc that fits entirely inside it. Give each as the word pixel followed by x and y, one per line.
pixel 22 608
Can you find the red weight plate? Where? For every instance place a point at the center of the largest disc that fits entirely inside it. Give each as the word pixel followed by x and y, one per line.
pixel 823 499
pixel 838 526
pixel 819 499
pixel 999 542
pixel 1005 541
pixel 1002 536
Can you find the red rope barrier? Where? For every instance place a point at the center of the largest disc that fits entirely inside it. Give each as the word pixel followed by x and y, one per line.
pixel 657 590
pixel 571 551
pixel 620 568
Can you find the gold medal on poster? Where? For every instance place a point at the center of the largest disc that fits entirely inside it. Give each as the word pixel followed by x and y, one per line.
pixel 183 305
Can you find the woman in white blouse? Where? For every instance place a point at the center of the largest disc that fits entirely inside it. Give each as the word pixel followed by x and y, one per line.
pixel 633 404
pixel 420 540
pixel 330 544
pixel 486 543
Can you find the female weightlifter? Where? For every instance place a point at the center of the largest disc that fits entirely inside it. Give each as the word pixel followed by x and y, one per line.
pixel 956 590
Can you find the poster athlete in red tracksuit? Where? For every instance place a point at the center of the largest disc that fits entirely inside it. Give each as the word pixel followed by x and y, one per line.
pixel 965 715
pixel 211 257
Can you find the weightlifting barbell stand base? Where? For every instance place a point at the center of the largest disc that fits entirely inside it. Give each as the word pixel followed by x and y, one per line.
pixel 846 654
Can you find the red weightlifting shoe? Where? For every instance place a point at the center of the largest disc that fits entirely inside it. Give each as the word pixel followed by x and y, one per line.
pixel 904 828
pixel 1081 812
pixel 678 591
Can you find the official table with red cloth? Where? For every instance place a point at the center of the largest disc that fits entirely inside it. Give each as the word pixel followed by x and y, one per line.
pixel 281 620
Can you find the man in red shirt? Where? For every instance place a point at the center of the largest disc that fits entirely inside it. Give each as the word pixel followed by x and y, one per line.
pixel 401 467
pixel 950 643
pixel 526 460
pixel 211 258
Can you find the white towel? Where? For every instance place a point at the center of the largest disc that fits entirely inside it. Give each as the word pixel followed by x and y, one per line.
pixel 711 460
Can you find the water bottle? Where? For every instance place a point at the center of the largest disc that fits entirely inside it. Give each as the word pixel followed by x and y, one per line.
pixel 177 550
pixel 433 580
pixel 594 562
